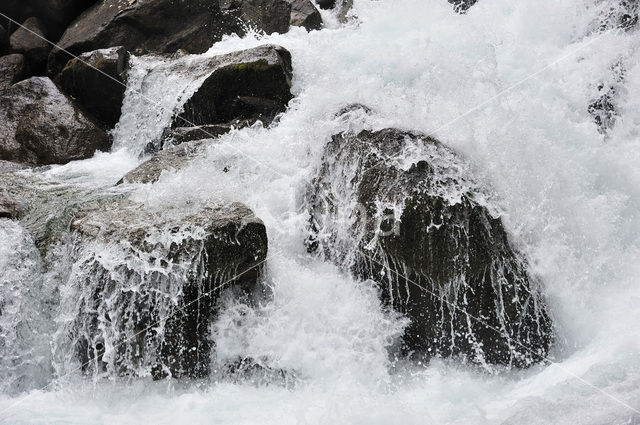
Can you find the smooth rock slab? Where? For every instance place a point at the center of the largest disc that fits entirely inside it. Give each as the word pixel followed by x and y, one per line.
pixel 40 125
pixel 405 211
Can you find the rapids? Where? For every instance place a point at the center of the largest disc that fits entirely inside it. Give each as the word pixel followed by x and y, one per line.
pixel 508 85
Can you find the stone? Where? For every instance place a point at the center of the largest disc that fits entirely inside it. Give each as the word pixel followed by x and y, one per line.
pixel 31 41
pixel 4 40
pixel 43 126
pixel 101 95
pixel 165 26
pixel 12 69
pixel 249 84
pixel 326 4
pixel 304 14
pixel 8 207
pixel 181 261
pixel 461 6
pixel 179 135
pixel 428 233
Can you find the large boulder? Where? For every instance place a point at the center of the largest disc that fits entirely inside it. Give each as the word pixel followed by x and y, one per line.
pixel 12 69
pixel 249 84
pixel 164 26
pixel 30 40
pixel 304 14
pixel 404 210
pixel 149 282
pixel 97 80
pixel 40 125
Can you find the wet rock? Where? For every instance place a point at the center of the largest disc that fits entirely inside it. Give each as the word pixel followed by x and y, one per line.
pixel 326 4
pixel 181 261
pixel 12 69
pixel 40 125
pixel 603 107
pixel 428 233
pixel 101 95
pixel 164 26
pixel 181 135
pixel 249 84
pixel 31 42
pixel 170 159
pixel 342 7
pixel 622 14
pixel 8 207
pixel 461 6
pixel 4 40
pixel 304 14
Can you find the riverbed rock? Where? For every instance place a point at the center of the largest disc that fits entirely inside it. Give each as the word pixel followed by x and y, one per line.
pixel 404 210
pixel 172 265
pixel 40 125
pixel 244 85
pixel 4 40
pixel 97 80
pixel 33 46
pixel 12 69
pixel 461 6
pixel 326 4
pixel 304 14
pixel 165 26
pixel 8 207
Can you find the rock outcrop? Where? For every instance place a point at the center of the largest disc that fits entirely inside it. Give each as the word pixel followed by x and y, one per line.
pixel 148 311
pixel 31 42
pixel 97 80
pixel 40 125
pixel 165 26
pixel 304 14
pixel 404 210
pixel 12 69
pixel 246 85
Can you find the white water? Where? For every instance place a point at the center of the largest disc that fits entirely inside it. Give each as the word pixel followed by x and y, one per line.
pixel 571 200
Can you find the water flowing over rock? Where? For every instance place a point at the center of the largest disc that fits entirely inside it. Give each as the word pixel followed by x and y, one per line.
pixel 101 95
pixel 164 26
pixel 461 6
pixel 304 14
pixel 146 283
pixel 404 210
pixel 12 70
pixel 8 207
pixel 43 126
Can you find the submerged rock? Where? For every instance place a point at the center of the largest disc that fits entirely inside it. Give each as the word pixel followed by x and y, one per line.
pixel 12 69
pixel 165 26
pixel 304 14
pixel 248 84
pixel 101 95
pixel 404 210
pixel 40 125
pixel 148 282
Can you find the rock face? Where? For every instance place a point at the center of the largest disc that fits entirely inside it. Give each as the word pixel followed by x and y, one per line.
pixel 165 26
pixel 41 126
pixel 249 84
pixel 181 262
pixel 425 231
pixel 12 69
pixel 100 94
pixel 304 14
pixel 35 49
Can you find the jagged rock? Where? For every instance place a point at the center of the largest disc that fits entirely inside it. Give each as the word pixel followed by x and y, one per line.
pixel 12 69
pixel 426 231
pixel 304 14
pixel 181 262
pixel 249 84
pixel 100 94
pixel 461 6
pixel 164 26
pixel 8 207
pixel 173 158
pixel 35 48
pixel 40 125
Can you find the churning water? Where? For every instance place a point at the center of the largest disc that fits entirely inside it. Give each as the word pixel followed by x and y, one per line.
pixel 508 85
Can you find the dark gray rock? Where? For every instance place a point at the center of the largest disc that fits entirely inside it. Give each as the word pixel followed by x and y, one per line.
pixel 12 69
pixel 249 84
pixel 101 95
pixel 426 231
pixel 40 125
pixel 189 259
pixel 30 41
pixel 326 4
pixel 4 40
pixel 304 14
pixel 461 6
pixel 165 26
pixel 8 207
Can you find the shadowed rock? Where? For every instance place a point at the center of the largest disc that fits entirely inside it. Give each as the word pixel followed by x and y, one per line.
pixel 30 41
pixel 101 95
pixel 40 125
pixel 180 261
pixel 12 69
pixel 425 230
pixel 304 14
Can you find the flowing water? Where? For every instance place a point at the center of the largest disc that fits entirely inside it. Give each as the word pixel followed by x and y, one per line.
pixel 509 86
